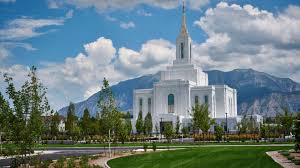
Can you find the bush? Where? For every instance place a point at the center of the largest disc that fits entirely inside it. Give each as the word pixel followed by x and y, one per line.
pixel 154 146
pixel 290 157
pixel 60 162
pixel 285 153
pixel 84 161
pixel 46 163
pixel 296 162
pixel 71 163
pixel 145 147
pixel 297 147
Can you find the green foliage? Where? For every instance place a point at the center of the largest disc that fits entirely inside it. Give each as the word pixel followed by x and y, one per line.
pixel 285 121
pixel 24 119
pixel 84 162
pixel 71 119
pixel 46 163
pixel 219 132
pixel 148 124
pixel 201 119
pixel 185 131
pixel 290 157
pixel 154 146
pixel 86 122
pixel 60 162
pixel 111 118
pixel 71 163
pixel 168 132
pixel 297 132
pixel 54 124
pixel 145 147
pixel 177 126
pixel 139 123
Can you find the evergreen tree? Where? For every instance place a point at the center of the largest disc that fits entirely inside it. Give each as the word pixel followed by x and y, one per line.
pixel 70 123
pixel 139 123
pixel 86 122
pixel 54 124
pixel 148 124
pixel 285 120
pixel 177 126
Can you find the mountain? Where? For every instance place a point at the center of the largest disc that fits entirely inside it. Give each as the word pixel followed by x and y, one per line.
pixel 258 92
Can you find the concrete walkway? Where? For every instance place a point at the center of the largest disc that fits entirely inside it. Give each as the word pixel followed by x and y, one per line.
pixel 283 161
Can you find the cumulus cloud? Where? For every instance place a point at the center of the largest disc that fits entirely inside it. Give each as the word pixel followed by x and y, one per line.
pixel 104 5
pixel 79 77
pixel 248 37
pixel 127 25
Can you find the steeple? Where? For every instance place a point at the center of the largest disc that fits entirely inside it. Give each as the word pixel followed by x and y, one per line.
pixel 183 29
pixel 183 42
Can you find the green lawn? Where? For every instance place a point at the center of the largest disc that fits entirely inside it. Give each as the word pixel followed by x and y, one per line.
pixel 206 157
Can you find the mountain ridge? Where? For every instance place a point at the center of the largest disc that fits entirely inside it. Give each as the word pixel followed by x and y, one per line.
pixel 258 92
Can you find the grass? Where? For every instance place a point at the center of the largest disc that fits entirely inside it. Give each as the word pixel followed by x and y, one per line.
pixel 217 157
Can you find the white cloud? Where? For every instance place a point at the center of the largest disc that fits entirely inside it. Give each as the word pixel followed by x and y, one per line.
pixel 5 48
pixel 127 25
pixel 24 28
pixel 8 1
pixel 104 5
pixel 142 12
pixel 248 37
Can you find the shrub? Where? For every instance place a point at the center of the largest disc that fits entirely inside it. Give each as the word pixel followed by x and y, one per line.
pixel 71 163
pixel 285 153
pixel 84 161
pixel 145 147
pixel 154 146
pixel 297 147
pixel 290 157
pixel 296 162
pixel 60 162
pixel 46 163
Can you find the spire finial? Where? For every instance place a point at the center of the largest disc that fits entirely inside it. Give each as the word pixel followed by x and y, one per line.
pixel 183 7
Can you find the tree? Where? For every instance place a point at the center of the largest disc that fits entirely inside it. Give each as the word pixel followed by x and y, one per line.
pixel 139 123
pixel 54 124
pixel 86 122
pixel 168 132
pixel 111 118
pixel 177 126
pixel 219 132
pixel 28 105
pixel 148 124
pixel 201 119
pixel 297 132
pixel 286 121
pixel 70 123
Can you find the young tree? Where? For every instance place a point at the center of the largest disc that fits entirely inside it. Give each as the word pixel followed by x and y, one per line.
pixel 286 121
pixel 28 104
pixel 219 132
pixel 201 119
pixel 148 124
pixel 54 124
pixel 111 118
pixel 71 119
pixel 86 122
pixel 168 132
pixel 177 126
pixel 139 124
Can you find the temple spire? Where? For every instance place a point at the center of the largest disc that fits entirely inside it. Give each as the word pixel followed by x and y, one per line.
pixel 183 29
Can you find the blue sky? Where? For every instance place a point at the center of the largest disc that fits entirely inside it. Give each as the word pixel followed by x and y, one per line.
pixel 76 43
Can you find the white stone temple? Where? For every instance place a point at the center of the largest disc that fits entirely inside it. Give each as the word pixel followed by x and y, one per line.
pixel 180 87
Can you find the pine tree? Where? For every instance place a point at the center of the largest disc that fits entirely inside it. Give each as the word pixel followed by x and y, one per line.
pixel 54 124
pixel 86 122
pixel 148 124
pixel 70 123
pixel 139 123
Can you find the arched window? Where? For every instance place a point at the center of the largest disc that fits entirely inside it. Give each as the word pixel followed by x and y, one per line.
pixel 170 103
pixel 181 50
